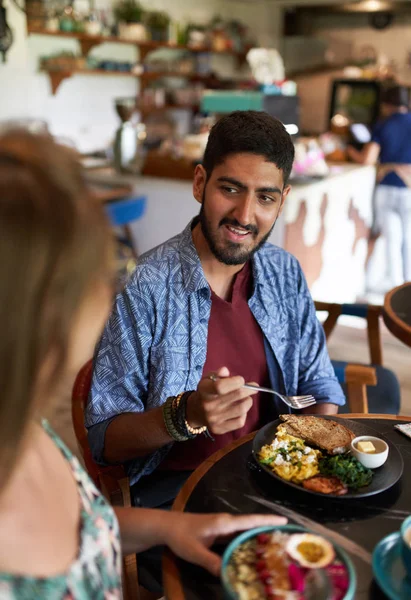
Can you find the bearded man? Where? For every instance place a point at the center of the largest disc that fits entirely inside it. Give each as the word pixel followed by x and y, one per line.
pixel 208 310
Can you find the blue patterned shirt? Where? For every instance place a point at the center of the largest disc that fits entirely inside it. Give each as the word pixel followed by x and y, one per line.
pixel 155 342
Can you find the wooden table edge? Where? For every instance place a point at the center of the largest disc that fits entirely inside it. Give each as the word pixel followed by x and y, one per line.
pixel 173 587
pixel 398 328
pixel 105 195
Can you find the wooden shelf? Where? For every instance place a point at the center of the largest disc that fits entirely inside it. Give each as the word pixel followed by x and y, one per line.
pixel 89 41
pixel 150 75
pixel 148 110
pixel 57 76
pixel 325 68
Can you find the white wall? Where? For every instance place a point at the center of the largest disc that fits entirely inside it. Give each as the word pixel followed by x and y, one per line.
pixel 394 41
pixel 83 109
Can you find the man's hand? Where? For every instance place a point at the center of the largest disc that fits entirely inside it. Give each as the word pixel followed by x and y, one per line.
pixel 220 405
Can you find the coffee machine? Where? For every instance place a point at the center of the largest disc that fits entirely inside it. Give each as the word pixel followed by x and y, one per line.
pixel 129 140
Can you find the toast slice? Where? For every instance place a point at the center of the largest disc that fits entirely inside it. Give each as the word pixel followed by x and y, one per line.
pixel 331 436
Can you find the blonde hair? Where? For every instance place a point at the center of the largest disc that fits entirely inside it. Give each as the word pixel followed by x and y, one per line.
pixel 54 239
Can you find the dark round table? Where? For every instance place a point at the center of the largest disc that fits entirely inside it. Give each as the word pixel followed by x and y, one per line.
pixel 397 312
pixel 230 481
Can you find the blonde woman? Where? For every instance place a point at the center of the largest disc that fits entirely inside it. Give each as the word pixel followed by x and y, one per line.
pixel 58 536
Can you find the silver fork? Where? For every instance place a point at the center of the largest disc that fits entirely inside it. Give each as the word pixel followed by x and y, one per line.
pixel 297 402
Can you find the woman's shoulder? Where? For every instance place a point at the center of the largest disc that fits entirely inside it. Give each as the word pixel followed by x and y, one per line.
pixel 48 429
pixel 62 502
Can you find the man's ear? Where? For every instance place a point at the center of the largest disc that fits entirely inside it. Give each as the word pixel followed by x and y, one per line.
pixel 285 193
pixel 199 182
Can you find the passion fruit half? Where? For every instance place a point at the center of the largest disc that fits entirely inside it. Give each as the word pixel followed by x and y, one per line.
pixel 310 551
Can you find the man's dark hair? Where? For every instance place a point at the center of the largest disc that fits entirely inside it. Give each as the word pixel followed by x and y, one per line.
pixel 396 95
pixel 249 131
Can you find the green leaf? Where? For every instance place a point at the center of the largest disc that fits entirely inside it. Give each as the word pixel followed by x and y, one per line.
pixel 348 469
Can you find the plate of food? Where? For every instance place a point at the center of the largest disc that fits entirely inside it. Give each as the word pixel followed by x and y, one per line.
pixel 286 563
pixel 322 455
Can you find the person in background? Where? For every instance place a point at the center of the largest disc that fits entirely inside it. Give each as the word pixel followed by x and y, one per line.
pixel 59 538
pixel 390 146
pixel 204 312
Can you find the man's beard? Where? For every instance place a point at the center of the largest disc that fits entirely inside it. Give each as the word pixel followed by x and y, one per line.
pixel 232 253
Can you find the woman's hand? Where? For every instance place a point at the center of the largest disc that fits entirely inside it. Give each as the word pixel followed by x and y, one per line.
pixel 187 535
pixel 191 535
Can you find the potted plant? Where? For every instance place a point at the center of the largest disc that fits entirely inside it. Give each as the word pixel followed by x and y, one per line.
pixel 219 41
pixel 238 33
pixel 196 36
pixel 129 15
pixel 158 23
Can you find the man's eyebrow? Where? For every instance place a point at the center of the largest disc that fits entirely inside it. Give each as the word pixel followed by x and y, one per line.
pixel 272 190
pixel 233 182
pixel 239 184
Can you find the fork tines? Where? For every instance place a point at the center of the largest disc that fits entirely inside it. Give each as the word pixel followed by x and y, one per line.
pixel 304 402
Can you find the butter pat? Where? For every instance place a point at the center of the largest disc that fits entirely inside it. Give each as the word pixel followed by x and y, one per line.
pixel 366 447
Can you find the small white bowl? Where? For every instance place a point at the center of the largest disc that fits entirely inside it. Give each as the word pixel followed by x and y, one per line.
pixel 371 461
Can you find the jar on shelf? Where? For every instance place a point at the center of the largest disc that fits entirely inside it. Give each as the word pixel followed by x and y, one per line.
pixel 67 22
pixel 135 32
pixel 93 25
pixel 219 40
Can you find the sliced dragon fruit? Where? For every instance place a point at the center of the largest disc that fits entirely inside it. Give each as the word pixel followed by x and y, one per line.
pixel 297 577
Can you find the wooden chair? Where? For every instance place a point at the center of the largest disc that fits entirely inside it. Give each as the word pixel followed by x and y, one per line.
pixel 369 312
pixel 112 481
pixel 354 379
pixel 384 395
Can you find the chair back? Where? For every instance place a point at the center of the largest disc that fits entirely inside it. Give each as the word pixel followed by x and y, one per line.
pixel 80 394
pixel 369 386
pixel 368 312
pixel 111 481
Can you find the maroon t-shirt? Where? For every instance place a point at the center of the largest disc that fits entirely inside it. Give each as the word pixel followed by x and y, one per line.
pixel 235 341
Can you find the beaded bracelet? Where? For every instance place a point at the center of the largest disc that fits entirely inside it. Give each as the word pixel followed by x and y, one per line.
pixel 179 415
pixel 175 420
pixel 194 431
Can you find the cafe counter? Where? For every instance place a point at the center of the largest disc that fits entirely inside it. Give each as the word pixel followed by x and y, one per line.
pixel 325 223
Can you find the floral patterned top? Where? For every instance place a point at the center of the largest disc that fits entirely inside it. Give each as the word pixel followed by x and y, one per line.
pixel 96 573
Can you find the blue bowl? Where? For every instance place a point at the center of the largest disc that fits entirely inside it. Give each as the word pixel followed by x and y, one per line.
pixel 230 594
pixel 406 545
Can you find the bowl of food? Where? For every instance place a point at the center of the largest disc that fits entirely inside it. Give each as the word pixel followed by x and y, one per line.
pixel 406 544
pixel 270 563
pixel 370 451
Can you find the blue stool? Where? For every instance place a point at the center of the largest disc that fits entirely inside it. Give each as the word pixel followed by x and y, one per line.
pixel 123 212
